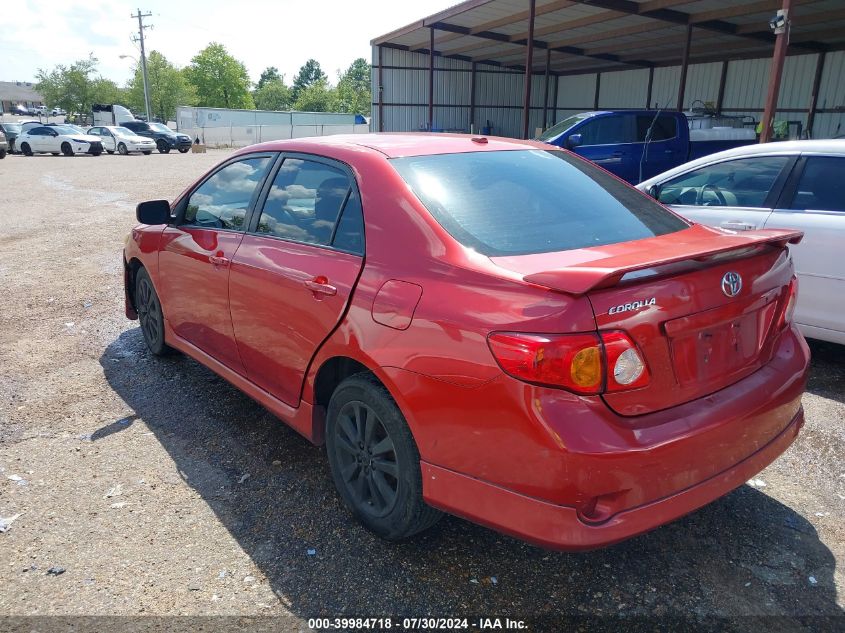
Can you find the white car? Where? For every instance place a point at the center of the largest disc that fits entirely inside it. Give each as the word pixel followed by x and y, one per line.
pixel 122 140
pixel 55 139
pixel 57 112
pixel 795 185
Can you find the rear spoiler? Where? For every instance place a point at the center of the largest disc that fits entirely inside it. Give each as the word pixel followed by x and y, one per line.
pixel 695 245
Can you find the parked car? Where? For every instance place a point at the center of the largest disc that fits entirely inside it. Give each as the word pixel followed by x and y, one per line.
pixel 4 145
pixel 55 139
pixel 488 327
pixel 165 138
pixel 122 140
pixel 11 131
pixel 793 184
pixel 39 111
pixel 57 112
pixel 20 110
pixel 638 144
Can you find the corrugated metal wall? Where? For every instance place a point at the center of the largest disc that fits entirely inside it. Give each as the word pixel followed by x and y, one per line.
pixel 499 93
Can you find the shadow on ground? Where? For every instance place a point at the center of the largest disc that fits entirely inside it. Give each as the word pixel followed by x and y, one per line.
pixel 744 554
pixel 827 374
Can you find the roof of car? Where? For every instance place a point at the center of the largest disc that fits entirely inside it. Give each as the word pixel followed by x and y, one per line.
pixel 396 145
pixel 820 146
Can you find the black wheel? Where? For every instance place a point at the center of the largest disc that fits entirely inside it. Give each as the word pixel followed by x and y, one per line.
pixel 147 152
pixel 183 150
pixel 26 149
pixel 150 314
pixel 163 147
pixel 54 153
pixel 67 150
pixel 109 151
pixel 2 154
pixel 121 149
pixel 374 460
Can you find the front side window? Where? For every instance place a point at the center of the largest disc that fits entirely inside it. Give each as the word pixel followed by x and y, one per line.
pixel 519 202
pixel 745 182
pixel 608 130
pixel 304 201
pixel 821 186
pixel 221 202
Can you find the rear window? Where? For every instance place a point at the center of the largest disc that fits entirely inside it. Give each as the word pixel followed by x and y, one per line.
pixel 521 202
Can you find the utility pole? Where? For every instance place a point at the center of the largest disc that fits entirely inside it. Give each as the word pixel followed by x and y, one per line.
pixel 140 38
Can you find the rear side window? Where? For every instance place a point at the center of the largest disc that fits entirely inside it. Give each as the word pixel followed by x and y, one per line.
pixel 662 127
pixel 304 202
pixel 221 202
pixel 821 187
pixel 531 201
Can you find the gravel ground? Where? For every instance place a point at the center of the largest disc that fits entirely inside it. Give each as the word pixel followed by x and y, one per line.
pixel 160 489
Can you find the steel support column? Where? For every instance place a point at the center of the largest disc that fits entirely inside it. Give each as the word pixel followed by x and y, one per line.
pixel 472 97
pixel 650 86
pixel 682 84
pixel 380 90
pixel 529 62
pixel 775 75
pixel 720 99
pixel 430 78
pixel 814 98
pixel 546 91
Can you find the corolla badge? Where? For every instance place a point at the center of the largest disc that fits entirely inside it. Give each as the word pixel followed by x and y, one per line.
pixel 731 284
pixel 634 305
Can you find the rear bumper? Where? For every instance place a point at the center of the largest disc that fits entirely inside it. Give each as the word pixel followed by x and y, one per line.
pixel 560 527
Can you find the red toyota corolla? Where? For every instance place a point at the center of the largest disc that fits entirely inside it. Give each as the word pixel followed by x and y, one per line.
pixel 487 327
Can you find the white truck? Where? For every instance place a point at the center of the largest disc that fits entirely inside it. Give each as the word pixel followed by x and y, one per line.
pixel 111 114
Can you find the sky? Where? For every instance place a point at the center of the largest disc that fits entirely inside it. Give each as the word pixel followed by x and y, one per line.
pixel 260 33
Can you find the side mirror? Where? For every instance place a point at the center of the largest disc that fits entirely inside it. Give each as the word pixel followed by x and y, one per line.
pixel 653 191
pixel 573 141
pixel 53 133
pixel 153 212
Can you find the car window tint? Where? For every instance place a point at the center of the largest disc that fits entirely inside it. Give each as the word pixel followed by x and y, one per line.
pixel 663 128
pixel 735 183
pixel 349 235
pixel 821 186
pixel 531 201
pixel 221 202
pixel 607 130
pixel 304 201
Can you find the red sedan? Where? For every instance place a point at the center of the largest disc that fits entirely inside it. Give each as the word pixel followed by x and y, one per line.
pixel 487 327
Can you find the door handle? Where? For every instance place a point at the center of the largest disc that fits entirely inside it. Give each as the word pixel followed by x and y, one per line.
pixel 738 226
pixel 218 260
pixel 320 285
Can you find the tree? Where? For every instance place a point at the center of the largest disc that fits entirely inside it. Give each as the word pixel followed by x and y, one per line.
pixel 167 85
pixel 271 73
pixel 308 75
pixel 220 80
pixel 316 97
pixel 273 95
pixel 71 88
pixel 353 89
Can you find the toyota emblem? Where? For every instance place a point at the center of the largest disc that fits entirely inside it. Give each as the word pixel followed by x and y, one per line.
pixel 731 284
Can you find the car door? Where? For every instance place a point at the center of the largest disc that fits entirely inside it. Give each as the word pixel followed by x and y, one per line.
pixel 658 147
pixel 294 272
pixel 735 194
pixel 814 202
pixel 107 138
pixel 607 140
pixel 197 250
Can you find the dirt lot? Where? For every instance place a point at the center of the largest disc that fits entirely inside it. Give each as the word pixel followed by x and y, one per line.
pixel 160 489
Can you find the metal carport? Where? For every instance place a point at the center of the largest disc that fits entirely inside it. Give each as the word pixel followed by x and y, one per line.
pixel 522 64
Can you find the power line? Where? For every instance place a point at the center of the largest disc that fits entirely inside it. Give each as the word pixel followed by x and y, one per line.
pixel 140 38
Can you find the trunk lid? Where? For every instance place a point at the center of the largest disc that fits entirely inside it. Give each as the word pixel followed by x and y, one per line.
pixel 667 294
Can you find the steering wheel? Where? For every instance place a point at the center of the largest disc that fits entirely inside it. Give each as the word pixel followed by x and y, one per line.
pixel 717 193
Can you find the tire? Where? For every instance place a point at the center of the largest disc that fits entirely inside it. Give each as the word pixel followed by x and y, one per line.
pixel 54 153
pixel 183 151
pixel 96 153
pixel 147 152
pixel 121 149
pixel 26 149
pixel 2 154
pixel 163 148
pixel 150 314
pixel 374 460
pixel 67 150
pixel 109 151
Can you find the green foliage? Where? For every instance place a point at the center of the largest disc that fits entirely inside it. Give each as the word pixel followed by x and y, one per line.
pixel 220 80
pixel 271 73
pixel 107 91
pixel 353 89
pixel 71 87
pixel 309 75
pixel 167 85
pixel 316 97
pixel 273 95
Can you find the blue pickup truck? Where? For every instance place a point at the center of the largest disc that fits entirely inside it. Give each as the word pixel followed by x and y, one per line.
pixel 638 144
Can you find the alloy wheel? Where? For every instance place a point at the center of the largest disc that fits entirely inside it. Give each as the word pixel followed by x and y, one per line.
pixel 149 313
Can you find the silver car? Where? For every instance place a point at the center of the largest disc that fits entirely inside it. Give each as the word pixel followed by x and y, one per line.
pixel 794 184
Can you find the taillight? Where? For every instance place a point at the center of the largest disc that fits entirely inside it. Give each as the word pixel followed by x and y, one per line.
pixel 581 363
pixel 789 301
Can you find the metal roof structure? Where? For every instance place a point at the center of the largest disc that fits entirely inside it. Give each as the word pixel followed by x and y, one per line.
pixel 586 36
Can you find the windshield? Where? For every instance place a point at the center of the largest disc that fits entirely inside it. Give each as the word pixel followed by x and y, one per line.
pixel 122 131
pixel 68 129
pixel 12 127
pixel 160 127
pixel 523 202
pixel 560 128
